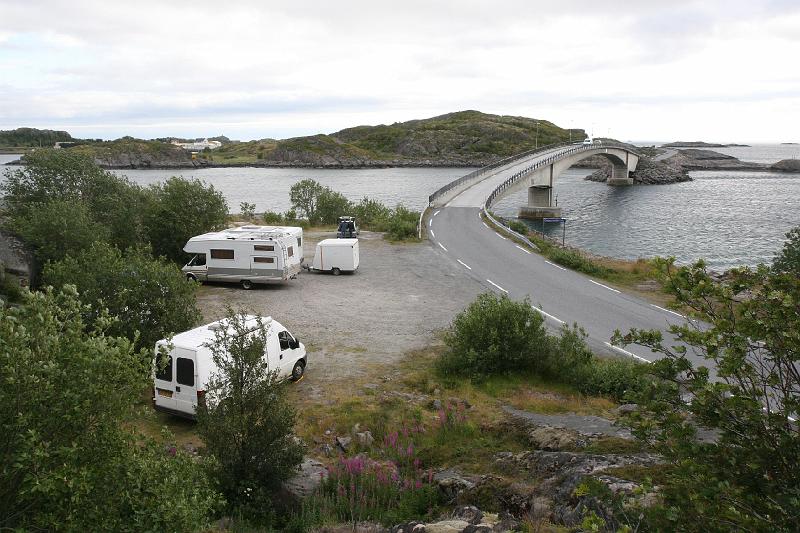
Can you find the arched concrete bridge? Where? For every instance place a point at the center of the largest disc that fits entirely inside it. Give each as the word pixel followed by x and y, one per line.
pixel 537 170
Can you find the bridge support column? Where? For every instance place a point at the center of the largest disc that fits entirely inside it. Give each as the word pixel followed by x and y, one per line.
pixel 619 176
pixel 540 203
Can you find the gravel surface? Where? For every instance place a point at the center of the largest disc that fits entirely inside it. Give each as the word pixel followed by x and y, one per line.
pixel 400 297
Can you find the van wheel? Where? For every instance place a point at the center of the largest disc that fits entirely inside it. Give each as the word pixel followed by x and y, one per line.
pixel 191 277
pixel 247 284
pixel 297 371
pixel 336 271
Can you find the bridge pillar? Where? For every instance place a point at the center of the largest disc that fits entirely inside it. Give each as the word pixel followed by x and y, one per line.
pixel 619 176
pixel 540 203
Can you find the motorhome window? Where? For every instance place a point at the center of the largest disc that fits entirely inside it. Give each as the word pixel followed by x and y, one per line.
pixel 165 373
pixel 185 371
pixel 221 254
pixel 264 248
pixel 198 260
pixel 290 251
pixel 285 340
pixel 299 242
pixel 264 259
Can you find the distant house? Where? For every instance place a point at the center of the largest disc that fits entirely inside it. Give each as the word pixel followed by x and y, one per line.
pixel 199 145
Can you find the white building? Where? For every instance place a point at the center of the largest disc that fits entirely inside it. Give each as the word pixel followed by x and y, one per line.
pixel 198 146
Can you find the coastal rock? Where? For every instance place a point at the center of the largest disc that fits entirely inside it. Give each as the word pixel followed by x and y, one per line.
pixel 648 172
pixel 310 474
pixel 693 159
pixel 451 483
pixel 787 165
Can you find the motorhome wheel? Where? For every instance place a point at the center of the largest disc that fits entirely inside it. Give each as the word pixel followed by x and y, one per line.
pixel 191 277
pixel 247 284
pixel 336 271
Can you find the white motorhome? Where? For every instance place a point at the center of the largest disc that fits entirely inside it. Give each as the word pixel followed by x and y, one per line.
pixel 336 256
pixel 246 255
pixel 179 386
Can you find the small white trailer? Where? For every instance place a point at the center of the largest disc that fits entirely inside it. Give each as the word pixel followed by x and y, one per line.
pixel 182 382
pixel 246 255
pixel 336 256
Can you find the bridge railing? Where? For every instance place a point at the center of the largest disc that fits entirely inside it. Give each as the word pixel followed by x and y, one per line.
pixel 512 180
pixel 483 170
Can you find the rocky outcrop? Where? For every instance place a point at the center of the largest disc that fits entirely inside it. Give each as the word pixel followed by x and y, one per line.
pixel 648 172
pixel 710 160
pixel 565 431
pixel 464 519
pixel 698 144
pixel 787 165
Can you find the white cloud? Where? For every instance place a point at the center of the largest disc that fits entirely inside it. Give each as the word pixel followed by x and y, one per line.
pixel 250 69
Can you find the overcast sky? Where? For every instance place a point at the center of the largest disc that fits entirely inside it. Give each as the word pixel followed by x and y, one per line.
pixel 635 70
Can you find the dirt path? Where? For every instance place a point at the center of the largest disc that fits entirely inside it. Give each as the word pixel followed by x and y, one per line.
pixel 401 295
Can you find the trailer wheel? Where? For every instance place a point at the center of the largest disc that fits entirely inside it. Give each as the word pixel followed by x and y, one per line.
pixel 247 284
pixel 336 271
pixel 297 371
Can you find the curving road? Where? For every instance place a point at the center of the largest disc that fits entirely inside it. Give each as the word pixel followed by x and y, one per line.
pixel 564 296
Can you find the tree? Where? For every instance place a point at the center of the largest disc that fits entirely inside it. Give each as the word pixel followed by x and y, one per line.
pixel 71 179
pixel 247 210
pixel 748 477
pixel 372 214
pixel 58 227
pixel 331 205
pixel 179 209
pixel 150 297
pixel 495 335
pixel 68 458
pixel 789 259
pixel 246 421
pixel 304 196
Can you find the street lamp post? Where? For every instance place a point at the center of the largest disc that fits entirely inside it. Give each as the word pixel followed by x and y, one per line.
pixel 537 134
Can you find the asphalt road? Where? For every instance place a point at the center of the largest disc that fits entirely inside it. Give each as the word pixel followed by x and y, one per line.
pixel 564 296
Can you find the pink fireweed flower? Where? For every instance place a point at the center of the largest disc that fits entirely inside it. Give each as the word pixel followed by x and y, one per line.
pixel 410 450
pixel 418 484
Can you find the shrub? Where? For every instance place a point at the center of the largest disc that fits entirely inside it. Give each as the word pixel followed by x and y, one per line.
pixel 247 210
pixel 495 335
pixel 273 218
pixel 372 214
pixel 246 421
pixel 403 224
pixel 788 260
pixel 179 209
pixel 149 296
pixel 619 379
pixel 69 460
pixel 331 205
pixel 576 261
pixel 518 226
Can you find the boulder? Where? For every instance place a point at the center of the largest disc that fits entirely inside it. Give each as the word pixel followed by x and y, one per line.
pixel 468 513
pixel 343 442
pixel 365 438
pixel 451 483
pixel 787 165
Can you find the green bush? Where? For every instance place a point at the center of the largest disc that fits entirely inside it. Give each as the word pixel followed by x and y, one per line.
pixel 576 261
pixel 69 460
pixel 331 205
pixel 272 218
pixel 518 226
pixel 495 335
pixel 149 296
pixel 402 224
pixel 620 379
pixel 247 421
pixel 372 214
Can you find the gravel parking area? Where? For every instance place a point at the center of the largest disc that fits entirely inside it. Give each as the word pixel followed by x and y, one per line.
pixel 401 295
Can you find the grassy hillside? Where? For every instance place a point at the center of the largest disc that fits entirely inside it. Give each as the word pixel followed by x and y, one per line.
pixel 462 138
pixel 32 138
pixel 128 152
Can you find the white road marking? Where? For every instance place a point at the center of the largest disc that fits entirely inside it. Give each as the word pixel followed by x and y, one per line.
pixel 668 311
pixel 555 265
pixel 604 286
pixel 441 246
pixel 436 213
pixel 523 249
pixel 464 264
pixel 433 234
pixel 626 352
pixel 501 236
pixel 487 227
pixel 548 315
pixel 498 286
pixel 430 223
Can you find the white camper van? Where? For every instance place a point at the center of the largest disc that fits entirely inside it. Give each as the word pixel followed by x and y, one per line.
pixel 182 383
pixel 246 255
pixel 336 256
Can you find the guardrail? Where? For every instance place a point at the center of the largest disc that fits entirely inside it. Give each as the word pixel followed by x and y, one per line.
pixel 475 173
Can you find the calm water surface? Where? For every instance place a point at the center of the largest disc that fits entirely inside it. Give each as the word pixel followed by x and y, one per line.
pixel 729 218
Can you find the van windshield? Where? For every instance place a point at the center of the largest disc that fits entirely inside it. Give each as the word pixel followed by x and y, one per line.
pixel 198 260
